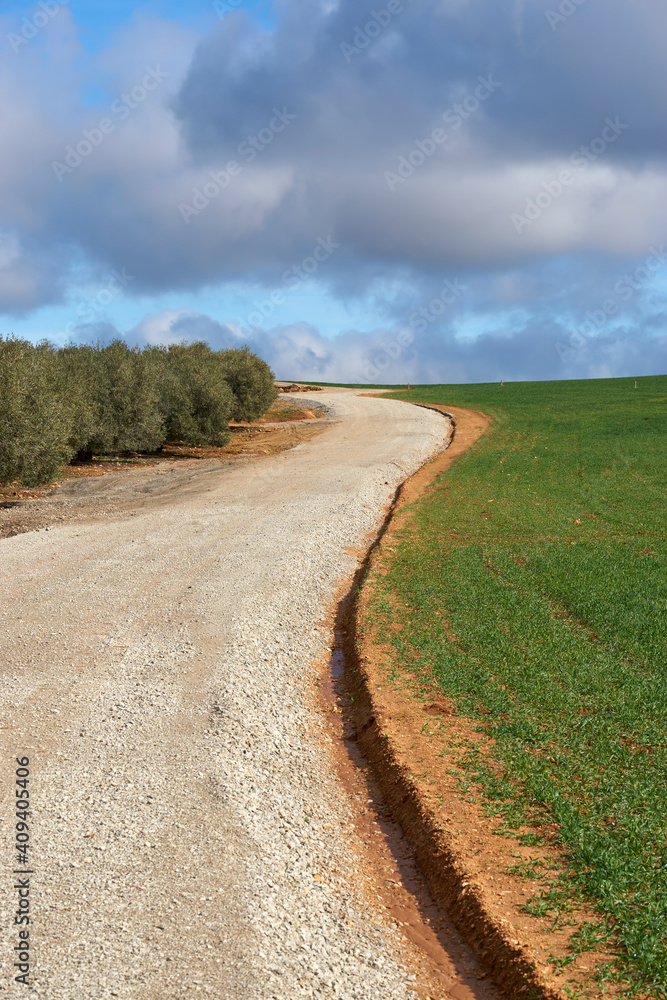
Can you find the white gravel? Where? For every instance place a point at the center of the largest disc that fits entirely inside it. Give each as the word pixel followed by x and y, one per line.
pixel 189 837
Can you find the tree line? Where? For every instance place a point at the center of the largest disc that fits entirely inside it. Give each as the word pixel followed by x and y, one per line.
pixel 59 404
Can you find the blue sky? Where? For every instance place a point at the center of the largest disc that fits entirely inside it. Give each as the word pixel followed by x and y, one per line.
pixel 97 21
pixel 449 190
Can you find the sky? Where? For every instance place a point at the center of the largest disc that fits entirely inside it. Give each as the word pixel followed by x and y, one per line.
pixel 413 191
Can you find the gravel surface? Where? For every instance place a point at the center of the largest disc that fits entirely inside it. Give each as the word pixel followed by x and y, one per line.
pixel 190 839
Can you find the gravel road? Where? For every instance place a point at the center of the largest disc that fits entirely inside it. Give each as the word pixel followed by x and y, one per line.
pixel 189 836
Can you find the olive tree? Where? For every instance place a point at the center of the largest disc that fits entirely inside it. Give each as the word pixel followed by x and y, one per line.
pixel 35 415
pixel 196 402
pixel 81 375
pixel 251 380
pixel 129 394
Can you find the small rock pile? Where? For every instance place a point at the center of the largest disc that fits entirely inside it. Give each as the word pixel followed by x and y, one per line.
pixel 293 387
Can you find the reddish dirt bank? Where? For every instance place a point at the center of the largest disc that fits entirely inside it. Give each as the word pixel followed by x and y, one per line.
pixel 405 730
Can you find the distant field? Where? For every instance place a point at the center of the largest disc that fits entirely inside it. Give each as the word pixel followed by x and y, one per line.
pixel 532 582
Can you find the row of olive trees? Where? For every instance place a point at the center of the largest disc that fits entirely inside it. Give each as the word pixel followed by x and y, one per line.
pixel 76 401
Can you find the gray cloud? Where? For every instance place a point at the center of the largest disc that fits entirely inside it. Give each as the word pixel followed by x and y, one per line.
pixel 315 119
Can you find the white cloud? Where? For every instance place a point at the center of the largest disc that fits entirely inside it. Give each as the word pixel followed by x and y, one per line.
pixel 323 174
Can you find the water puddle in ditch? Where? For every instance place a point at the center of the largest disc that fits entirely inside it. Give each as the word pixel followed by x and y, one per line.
pixel 443 959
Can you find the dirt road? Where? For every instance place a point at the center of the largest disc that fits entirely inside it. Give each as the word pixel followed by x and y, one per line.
pixel 188 836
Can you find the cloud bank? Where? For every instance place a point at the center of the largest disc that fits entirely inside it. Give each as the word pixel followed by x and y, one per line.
pixel 514 148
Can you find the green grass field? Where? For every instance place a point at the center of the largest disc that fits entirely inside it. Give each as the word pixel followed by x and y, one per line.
pixel 532 583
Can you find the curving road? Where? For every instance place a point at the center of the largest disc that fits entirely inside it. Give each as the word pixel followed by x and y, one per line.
pixel 189 836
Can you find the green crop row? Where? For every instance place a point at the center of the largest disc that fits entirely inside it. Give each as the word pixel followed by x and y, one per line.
pixel 531 584
pixel 57 404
